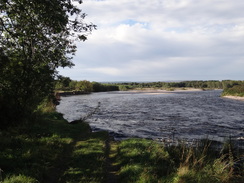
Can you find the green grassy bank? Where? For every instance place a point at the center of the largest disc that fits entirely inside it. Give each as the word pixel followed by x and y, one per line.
pixel 51 150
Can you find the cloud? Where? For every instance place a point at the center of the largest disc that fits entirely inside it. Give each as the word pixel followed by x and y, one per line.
pixel 161 40
pixel 105 70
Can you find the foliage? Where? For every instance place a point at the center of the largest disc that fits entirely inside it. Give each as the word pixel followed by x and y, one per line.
pixel 20 179
pixel 236 90
pixel 125 87
pixel 36 37
pixel 170 86
pixel 99 87
pixel 62 83
pixel 212 84
pixel 47 105
pixel 85 86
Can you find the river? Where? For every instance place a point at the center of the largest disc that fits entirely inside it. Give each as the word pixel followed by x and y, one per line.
pixel 159 114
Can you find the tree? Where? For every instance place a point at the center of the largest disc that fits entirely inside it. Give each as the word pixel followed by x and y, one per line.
pixel 97 87
pixel 62 83
pixel 72 85
pixel 85 86
pixel 36 37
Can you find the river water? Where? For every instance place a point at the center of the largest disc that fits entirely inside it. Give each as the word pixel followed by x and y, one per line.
pixel 159 114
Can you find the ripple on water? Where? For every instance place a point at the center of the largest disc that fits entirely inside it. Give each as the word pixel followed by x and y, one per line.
pixel 188 115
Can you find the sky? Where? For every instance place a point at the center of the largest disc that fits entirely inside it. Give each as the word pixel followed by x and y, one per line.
pixel 161 40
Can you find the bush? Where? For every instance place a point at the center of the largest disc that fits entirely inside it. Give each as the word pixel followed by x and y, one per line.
pixel 20 179
pixel 237 90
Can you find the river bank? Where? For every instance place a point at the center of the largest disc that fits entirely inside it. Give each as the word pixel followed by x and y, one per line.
pixel 153 90
pixel 59 94
pixel 234 97
pixel 52 150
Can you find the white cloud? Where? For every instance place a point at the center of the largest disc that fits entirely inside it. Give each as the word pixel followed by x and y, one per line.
pixel 105 70
pixel 162 40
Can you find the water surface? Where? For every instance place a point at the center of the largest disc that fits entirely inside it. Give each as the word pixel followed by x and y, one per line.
pixel 180 114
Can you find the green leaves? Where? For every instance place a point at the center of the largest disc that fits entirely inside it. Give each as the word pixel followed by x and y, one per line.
pixel 36 37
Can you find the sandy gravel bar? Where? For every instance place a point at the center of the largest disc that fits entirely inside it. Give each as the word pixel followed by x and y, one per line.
pixel 234 97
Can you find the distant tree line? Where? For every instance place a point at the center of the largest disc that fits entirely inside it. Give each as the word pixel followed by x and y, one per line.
pixel 210 84
pixel 66 84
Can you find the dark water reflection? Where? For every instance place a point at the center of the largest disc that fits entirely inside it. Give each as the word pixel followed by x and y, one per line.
pixel 182 114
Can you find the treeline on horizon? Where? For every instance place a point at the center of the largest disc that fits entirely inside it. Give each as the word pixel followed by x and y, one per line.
pixel 232 87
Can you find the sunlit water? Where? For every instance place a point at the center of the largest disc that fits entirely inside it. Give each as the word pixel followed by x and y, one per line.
pixel 156 115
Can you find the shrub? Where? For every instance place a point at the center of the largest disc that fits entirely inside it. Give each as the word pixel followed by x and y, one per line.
pixel 237 90
pixel 20 179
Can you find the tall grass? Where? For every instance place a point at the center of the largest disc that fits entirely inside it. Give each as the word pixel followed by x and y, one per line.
pixel 147 161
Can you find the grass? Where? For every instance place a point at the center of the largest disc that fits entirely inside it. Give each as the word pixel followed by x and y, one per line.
pixel 88 160
pixel 51 150
pixel 143 161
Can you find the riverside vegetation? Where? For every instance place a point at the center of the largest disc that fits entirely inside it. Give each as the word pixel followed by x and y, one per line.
pixel 236 90
pixel 231 87
pixel 52 150
pixel 38 37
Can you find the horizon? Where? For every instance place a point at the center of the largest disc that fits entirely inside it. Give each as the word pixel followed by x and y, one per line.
pixel 167 81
